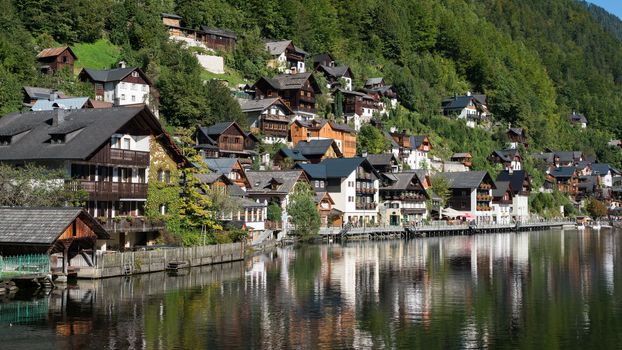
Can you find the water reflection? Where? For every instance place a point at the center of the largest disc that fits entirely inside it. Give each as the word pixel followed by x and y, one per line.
pixel 537 290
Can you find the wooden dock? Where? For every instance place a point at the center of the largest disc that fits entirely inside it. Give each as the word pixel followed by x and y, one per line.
pixel 386 232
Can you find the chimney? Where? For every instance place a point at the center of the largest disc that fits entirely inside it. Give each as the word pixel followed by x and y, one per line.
pixel 121 64
pixel 393 129
pixel 53 95
pixel 364 153
pixel 293 71
pixel 59 116
pixel 468 93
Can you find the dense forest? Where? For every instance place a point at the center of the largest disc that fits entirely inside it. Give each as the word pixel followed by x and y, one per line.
pixel 538 61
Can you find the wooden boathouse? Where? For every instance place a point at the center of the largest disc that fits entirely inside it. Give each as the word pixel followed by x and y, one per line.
pixel 58 233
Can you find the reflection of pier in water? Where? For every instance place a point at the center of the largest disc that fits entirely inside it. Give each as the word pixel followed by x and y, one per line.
pixel 74 309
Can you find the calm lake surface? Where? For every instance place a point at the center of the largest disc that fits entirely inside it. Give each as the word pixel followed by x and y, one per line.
pixel 538 290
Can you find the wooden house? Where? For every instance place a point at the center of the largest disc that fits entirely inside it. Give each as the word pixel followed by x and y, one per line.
pixel 471 108
pixel 218 39
pixel 105 152
pixel 403 196
pixel 224 140
pixel 268 117
pixel 509 158
pixel 33 94
pixel 471 194
pixel 286 57
pixel 337 76
pixel 298 91
pixel 517 136
pixel 344 136
pixel 317 150
pixel 57 58
pixel 565 179
pixel 232 168
pixel 123 86
pixel 66 232
pixel 464 158
pixel 323 59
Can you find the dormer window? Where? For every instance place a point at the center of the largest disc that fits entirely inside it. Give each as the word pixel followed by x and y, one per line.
pixel 5 140
pixel 57 139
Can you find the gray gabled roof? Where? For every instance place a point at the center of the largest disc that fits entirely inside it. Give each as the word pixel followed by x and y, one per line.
pixel 112 75
pixel 260 181
pixel 382 159
pixel 291 81
pixel 248 105
pixel 276 48
pixel 217 31
pixel 97 126
pixel 374 81
pixel 506 155
pixel 220 165
pixel 336 72
pixel 216 129
pixel 577 118
pixel 401 181
pixel 466 179
pixel 64 103
pixel 41 93
pixel 295 155
pixel 516 179
pixel 501 188
pixel 564 171
pixel 336 167
pixel 170 15
pixel 41 226
pixel 601 169
pixel 315 147
pixel 461 155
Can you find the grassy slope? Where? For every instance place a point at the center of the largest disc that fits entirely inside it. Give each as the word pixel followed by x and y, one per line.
pixel 98 55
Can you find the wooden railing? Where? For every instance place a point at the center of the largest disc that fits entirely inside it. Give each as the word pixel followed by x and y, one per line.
pixel 115 189
pixel 131 224
pixel 117 156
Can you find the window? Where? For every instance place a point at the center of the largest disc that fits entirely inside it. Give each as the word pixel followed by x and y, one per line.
pixel 133 98
pixel 126 143
pixel 163 209
pixel 135 74
pixel 317 184
pixel 122 97
pixel 302 93
pixel 167 176
pixel 144 87
pixel 160 175
pixel 142 176
pixel 115 142
pixel 321 184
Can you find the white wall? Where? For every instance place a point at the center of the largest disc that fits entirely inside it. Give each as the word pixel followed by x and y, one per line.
pixel 214 64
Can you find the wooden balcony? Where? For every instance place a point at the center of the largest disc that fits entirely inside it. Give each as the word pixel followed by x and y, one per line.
pixel 366 206
pixel 132 224
pixel 230 146
pixel 274 225
pixel 116 156
pixel 106 190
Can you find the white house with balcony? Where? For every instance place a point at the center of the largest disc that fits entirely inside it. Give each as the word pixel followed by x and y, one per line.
pixel 121 86
pixel 403 197
pixel 353 184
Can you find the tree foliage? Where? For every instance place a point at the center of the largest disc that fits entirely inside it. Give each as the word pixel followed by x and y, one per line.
pixel 37 186
pixel 596 208
pixel 372 140
pixel 440 187
pixel 303 212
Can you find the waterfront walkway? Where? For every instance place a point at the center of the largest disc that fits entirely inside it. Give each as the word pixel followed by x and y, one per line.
pixel 439 229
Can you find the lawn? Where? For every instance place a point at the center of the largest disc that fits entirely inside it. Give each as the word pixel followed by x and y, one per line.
pixel 98 55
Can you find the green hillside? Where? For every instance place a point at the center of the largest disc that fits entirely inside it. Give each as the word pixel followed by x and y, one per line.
pixel 99 55
pixel 536 60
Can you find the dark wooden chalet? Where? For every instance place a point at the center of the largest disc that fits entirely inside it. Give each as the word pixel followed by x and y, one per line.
pixel 269 117
pixel 325 59
pixel 298 91
pixel 464 158
pixel 54 59
pixel 218 39
pixel 358 103
pixel 69 231
pixel 517 136
pixel 286 56
pixel 33 94
pixel 224 140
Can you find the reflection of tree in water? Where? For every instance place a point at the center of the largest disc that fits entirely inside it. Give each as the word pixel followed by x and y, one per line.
pixel 305 270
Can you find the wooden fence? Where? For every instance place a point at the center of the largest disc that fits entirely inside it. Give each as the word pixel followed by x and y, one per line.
pixel 128 263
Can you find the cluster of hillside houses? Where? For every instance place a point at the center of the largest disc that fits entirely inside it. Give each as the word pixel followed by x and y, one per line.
pixel 113 147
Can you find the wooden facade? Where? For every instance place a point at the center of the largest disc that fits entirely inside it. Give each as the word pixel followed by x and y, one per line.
pixel 298 97
pixel 345 137
pixel 356 103
pixel 55 59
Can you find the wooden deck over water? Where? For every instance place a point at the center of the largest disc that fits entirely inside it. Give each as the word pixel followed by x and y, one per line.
pixel 381 232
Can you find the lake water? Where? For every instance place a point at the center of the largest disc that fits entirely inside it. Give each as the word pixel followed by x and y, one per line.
pixel 538 290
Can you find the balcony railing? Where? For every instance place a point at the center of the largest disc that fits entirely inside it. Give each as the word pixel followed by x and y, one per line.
pixel 366 206
pixel 131 224
pixel 483 208
pixel 110 190
pixel 484 198
pixel 364 190
pixel 117 156
pixel 274 225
